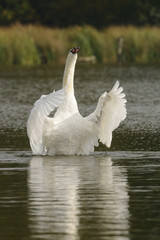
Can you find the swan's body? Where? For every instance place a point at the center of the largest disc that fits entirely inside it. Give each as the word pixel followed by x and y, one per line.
pixel 68 132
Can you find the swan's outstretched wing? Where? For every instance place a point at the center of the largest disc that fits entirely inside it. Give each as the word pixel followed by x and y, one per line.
pixel 110 111
pixel 42 108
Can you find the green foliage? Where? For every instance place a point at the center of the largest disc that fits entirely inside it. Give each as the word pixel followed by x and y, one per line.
pixel 96 43
pixel 97 13
pixel 24 51
pixel 78 38
pixel 17 48
pixel 32 45
pixel 89 39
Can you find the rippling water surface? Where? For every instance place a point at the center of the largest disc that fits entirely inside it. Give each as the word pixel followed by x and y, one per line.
pixel 109 195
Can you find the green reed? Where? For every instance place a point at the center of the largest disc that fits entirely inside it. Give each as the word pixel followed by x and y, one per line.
pixel 32 45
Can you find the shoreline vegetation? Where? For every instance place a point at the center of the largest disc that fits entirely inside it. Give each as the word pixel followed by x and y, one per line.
pixel 30 45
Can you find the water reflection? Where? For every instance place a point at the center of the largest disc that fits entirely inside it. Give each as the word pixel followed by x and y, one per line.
pixel 77 198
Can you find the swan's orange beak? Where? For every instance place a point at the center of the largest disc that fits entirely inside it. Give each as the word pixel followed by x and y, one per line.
pixel 75 50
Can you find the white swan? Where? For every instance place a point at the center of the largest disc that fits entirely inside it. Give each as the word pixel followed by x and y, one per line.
pixel 68 132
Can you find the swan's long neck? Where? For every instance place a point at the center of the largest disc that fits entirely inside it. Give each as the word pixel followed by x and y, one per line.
pixel 68 77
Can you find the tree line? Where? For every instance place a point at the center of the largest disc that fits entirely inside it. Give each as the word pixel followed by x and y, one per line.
pixel 97 13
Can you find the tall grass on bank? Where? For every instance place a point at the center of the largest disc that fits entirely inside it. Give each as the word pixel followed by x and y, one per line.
pixel 32 45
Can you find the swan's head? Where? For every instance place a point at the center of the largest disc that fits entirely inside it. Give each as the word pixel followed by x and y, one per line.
pixel 75 50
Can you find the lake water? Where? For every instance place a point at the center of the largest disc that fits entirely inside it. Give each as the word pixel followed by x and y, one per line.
pixel 113 194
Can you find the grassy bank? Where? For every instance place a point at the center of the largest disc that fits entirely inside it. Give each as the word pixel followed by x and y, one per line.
pixel 32 45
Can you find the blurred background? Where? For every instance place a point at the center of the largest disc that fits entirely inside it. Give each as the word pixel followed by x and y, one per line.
pixel 40 32
pixel 98 13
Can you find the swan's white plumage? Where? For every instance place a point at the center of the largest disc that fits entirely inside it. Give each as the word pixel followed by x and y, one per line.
pixel 110 111
pixel 74 135
pixel 68 132
pixel 42 108
pixel 113 112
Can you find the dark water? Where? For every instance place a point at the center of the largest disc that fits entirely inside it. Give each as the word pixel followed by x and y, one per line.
pixel 113 195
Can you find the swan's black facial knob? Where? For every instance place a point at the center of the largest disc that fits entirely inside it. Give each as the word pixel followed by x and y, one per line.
pixel 75 50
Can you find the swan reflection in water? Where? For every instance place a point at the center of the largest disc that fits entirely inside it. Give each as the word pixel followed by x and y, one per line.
pixel 73 197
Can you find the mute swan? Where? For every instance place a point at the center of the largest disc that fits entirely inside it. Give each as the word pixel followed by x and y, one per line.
pixel 68 132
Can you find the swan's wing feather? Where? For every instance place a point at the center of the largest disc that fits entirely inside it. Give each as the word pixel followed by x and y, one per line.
pixel 110 111
pixel 113 112
pixel 42 108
